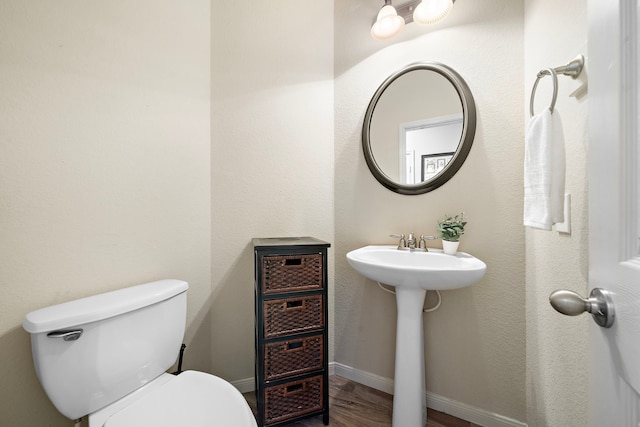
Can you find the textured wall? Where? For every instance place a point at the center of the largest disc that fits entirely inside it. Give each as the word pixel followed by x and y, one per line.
pixel 105 163
pixel 104 167
pixel 557 363
pixel 475 343
pixel 272 151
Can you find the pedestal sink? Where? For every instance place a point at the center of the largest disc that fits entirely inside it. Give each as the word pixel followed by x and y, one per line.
pixel 412 273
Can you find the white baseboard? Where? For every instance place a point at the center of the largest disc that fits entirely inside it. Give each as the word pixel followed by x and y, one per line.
pixel 363 377
pixel 470 413
pixel 434 401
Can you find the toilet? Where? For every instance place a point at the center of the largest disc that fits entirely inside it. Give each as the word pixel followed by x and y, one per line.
pixel 106 356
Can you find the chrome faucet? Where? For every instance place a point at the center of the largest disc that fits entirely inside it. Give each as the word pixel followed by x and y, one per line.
pixel 408 244
pixel 411 241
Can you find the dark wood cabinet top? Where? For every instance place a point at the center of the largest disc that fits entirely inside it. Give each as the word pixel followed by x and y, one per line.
pixel 270 242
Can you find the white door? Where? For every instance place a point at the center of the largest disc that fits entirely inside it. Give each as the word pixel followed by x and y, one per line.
pixel 614 211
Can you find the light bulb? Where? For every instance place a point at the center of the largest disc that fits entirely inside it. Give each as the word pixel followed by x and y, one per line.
pixel 388 23
pixel 432 11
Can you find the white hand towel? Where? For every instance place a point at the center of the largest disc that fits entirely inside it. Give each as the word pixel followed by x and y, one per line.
pixel 544 171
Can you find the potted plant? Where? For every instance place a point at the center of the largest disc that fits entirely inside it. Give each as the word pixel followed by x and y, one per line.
pixel 451 228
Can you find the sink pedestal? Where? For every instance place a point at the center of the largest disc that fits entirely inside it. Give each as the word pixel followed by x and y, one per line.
pixel 409 400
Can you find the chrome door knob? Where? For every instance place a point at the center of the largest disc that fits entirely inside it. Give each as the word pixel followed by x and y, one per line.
pixel 599 304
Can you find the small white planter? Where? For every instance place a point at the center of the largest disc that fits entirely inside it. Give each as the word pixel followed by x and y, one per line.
pixel 449 247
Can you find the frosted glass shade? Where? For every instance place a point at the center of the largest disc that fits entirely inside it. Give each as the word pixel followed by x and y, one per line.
pixel 388 23
pixel 432 11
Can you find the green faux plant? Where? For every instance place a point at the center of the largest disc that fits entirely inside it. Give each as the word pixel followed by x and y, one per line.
pixel 452 227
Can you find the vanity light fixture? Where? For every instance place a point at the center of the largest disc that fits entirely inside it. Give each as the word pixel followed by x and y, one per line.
pixel 432 11
pixel 388 23
pixel 390 20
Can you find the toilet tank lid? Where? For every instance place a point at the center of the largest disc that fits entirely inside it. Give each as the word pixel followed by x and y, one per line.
pixel 102 306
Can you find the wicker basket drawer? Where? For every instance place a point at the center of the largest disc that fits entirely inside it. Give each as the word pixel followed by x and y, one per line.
pixel 293 315
pixel 292 399
pixel 286 273
pixel 293 357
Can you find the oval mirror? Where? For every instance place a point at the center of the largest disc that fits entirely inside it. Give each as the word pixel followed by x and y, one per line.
pixel 419 128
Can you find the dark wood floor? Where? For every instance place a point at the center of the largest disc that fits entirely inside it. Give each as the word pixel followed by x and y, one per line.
pixel 356 405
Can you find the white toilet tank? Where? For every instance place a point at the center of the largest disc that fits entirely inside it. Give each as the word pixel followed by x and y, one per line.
pixel 91 352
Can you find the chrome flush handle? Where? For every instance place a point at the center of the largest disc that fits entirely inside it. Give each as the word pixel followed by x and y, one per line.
pixel 67 335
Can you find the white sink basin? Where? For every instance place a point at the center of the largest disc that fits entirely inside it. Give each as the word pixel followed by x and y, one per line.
pixel 413 273
pixel 425 270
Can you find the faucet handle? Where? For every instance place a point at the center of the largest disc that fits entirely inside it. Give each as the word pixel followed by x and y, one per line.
pixel 423 242
pixel 402 244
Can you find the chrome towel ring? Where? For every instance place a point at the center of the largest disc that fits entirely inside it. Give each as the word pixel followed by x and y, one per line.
pixel 552 73
pixel 572 69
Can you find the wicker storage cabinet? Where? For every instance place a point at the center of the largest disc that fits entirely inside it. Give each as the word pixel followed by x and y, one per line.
pixel 292 378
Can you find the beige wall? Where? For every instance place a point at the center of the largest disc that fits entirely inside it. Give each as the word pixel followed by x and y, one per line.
pixel 272 151
pixel 104 167
pixel 557 362
pixel 155 140
pixel 475 343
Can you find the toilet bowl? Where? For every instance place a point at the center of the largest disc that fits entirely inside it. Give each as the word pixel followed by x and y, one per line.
pixel 189 399
pixel 106 357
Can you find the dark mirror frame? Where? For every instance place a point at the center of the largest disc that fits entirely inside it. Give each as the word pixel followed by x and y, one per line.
pixel 466 139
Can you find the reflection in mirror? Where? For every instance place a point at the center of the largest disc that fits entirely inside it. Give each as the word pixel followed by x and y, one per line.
pixel 427 146
pixel 419 128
